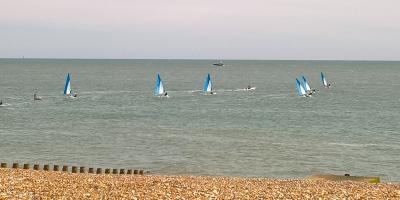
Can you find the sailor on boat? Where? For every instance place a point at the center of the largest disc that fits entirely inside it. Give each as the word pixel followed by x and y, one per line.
pixel 328 86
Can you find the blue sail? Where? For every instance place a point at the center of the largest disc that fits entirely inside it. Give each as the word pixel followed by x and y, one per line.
pixel 159 89
pixel 300 88
pixel 207 84
pixel 67 87
pixel 323 80
pixel 305 83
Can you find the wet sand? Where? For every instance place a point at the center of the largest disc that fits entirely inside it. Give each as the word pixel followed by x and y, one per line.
pixel 30 184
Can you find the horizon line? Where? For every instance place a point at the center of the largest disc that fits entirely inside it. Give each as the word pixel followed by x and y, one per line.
pixel 71 58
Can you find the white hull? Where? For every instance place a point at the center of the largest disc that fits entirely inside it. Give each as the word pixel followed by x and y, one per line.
pixel 210 93
pixel 249 89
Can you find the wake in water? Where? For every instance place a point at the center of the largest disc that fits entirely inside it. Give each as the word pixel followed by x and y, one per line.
pixel 5 104
pixel 111 92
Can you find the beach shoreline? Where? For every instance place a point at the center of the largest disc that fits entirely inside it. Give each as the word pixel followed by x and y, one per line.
pixel 31 184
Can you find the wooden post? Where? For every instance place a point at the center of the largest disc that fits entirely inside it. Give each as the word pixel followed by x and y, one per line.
pixel 82 170
pixel 26 166
pixel 35 167
pixel 99 171
pixel 15 166
pixel 141 172
pixel 129 171
pixel 55 168
pixel 121 171
pixel 65 168
pixel 46 167
pixel 91 170
pixel 135 171
pixel 3 165
pixel 107 171
pixel 74 169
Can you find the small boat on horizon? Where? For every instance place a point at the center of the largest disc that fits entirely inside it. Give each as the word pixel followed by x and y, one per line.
pixel 220 64
pixel 159 89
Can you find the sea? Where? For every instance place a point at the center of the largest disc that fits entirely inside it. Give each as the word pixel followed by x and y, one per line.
pixel 117 122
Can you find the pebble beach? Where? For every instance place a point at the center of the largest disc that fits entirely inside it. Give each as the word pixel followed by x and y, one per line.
pixel 30 184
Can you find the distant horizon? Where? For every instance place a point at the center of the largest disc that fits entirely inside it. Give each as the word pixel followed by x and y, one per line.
pixel 208 59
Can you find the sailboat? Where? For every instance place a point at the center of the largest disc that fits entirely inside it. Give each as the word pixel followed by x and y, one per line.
pixel 207 88
pixel 300 89
pixel 36 97
pixel 324 82
pixel 249 87
pixel 67 88
pixel 159 90
pixel 220 64
pixel 307 86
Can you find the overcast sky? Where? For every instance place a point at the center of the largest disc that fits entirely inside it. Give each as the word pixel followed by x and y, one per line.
pixel 201 29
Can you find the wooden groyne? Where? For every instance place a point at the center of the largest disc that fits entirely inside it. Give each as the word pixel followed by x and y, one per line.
pixel 347 177
pixel 74 169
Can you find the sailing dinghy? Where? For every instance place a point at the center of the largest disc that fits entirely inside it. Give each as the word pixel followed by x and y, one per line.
pixel 67 88
pixel 159 90
pixel 307 86
pixel 207 88
pixel 300 89
pixel 249 88
pixel 324 82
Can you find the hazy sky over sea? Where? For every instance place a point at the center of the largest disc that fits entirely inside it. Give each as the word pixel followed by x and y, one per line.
pixel 215 29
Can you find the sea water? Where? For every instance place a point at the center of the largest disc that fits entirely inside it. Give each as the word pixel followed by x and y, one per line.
pixel 117 122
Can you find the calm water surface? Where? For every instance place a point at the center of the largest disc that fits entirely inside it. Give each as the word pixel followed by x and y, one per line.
pixel 117 122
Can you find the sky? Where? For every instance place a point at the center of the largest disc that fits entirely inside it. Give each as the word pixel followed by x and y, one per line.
pixel 201 29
